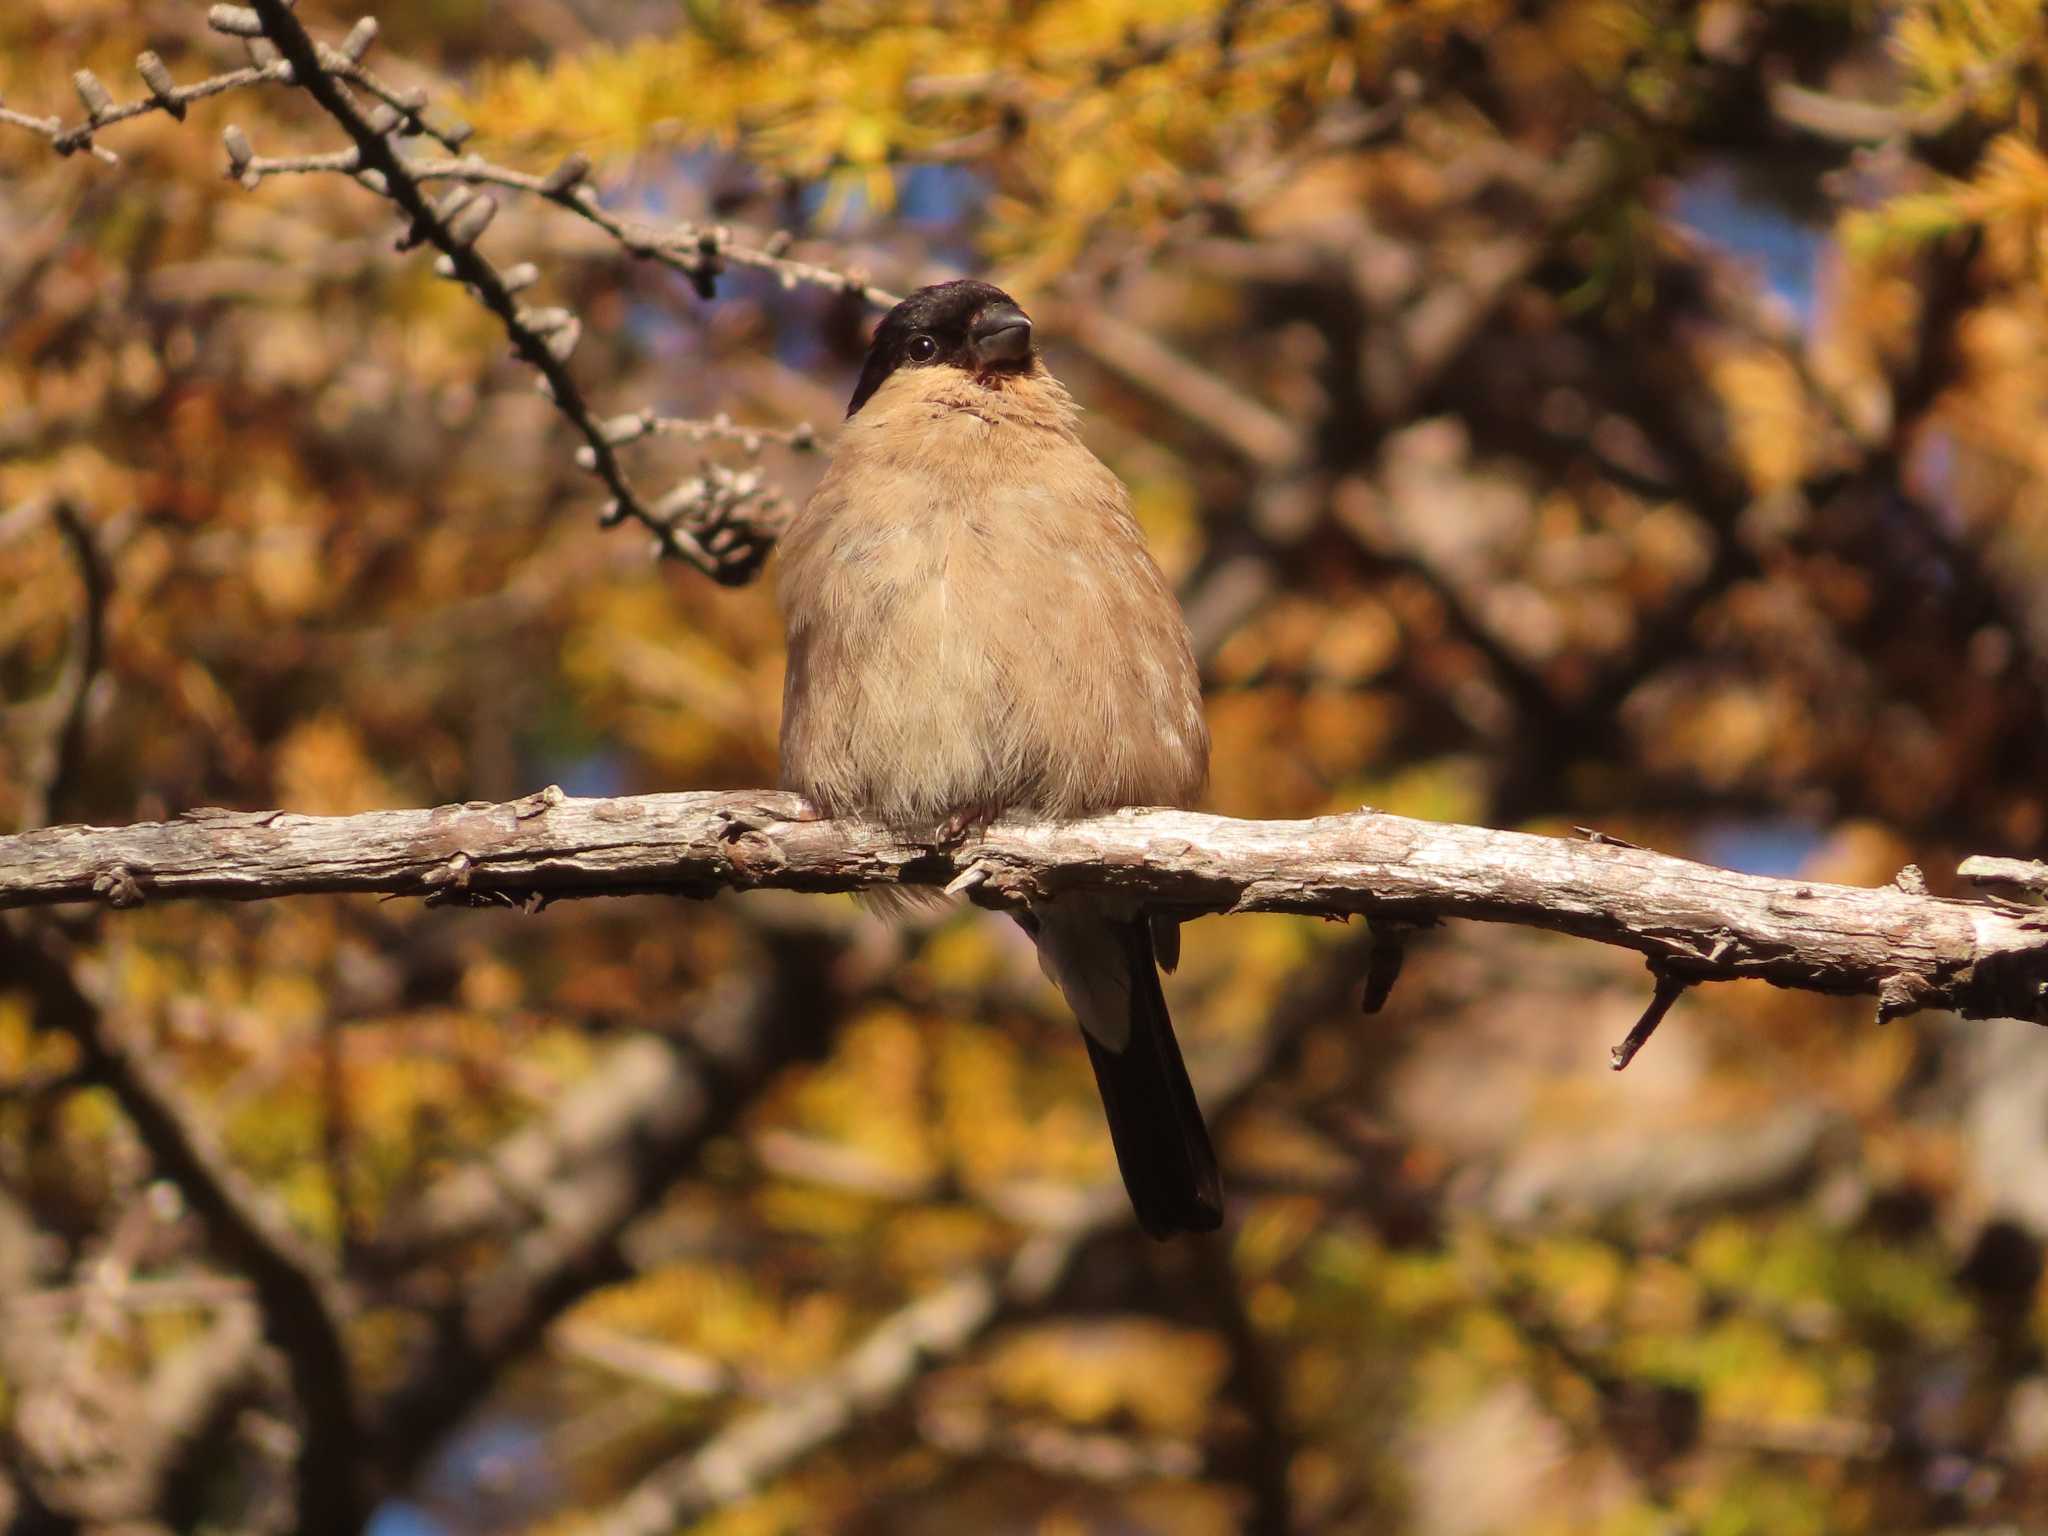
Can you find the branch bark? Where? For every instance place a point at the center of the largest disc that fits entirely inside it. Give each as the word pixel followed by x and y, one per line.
pixel 1692 921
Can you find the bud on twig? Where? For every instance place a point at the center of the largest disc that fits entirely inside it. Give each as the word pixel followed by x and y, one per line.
pixel 240 153
pixel 359 38
pixel 162 89
pixel 235 21
pixel 545 322
pixel 568 174
pixel 458 198
pixel 97 102
pixel 685 495
pixel 562 344
pixel 473 220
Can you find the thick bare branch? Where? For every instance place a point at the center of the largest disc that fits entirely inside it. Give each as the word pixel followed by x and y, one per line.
pixel 1696 922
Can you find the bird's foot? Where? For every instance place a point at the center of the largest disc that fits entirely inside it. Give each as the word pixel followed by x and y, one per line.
pixel 965 822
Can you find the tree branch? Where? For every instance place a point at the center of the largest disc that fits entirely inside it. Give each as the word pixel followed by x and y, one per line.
pixel 1696 922
pixel 723 521
pixel 302 1314
pixel 52 729
pixel 946 1323
pixel 744 1457
pixel 623 1141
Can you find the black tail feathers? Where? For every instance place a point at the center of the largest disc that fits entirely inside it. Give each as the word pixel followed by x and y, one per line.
pixel 1162 1147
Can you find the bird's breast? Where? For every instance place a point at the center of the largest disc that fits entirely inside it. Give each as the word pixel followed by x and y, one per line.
pixel 974 622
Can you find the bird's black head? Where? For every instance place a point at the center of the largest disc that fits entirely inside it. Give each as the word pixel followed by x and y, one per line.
pixel 967 325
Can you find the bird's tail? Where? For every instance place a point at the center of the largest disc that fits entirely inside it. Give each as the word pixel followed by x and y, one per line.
pixel 1105 967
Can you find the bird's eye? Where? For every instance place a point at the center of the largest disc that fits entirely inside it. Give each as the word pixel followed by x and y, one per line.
pixel 921 348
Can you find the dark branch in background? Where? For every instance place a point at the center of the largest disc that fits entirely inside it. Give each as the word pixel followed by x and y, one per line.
pixel 560 1197
pixel 907 1346
pixel 1255 1384
pixel 90 656
pixel 55 724
pixel 712 533
pixel 302 1316
pixel 1694 922
pixel 570 1194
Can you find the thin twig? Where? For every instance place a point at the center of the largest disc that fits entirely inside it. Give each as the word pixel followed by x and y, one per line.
pixel 722 521
pixel 542 347
pixel 1666 993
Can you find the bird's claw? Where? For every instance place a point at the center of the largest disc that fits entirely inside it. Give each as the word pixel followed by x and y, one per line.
pixel 968 821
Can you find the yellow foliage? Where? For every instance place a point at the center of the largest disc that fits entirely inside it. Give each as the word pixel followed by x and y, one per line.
pixel 323 770
pixel 353 569
pixel 1601 37
pixel 723 1312
pixel 1159 1378
pixel 1581 1281
pixel 1968 49
pixel 1095 128
pixel 1481 1347
pixel 1767 415
pixel 24 1050
pixel 873 1097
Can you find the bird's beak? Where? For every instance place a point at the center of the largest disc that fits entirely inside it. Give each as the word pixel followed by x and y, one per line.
pixel 1001 334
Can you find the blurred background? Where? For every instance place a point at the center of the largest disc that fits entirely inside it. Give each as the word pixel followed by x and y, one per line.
pixel 1621 413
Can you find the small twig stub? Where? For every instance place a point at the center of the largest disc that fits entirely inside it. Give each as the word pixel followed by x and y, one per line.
pixel 1668 988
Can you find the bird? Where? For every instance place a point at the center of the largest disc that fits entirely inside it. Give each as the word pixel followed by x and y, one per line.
pixel 976 627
